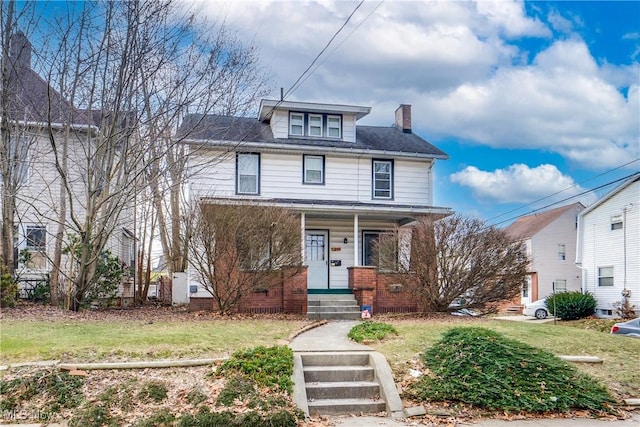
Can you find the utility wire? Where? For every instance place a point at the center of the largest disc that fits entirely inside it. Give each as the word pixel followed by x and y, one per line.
pixel 561 191
pixel 568 198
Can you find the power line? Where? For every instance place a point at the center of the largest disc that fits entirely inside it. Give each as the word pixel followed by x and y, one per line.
pixel 568 198
pixel 562 191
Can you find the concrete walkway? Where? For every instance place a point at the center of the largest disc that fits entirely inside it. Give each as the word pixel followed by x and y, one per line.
pixel 329 337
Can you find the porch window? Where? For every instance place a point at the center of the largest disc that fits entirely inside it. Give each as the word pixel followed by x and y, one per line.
pixel 382 253
pixel 605 276
pixel 383 179
pixel 313 169
pixel 248 173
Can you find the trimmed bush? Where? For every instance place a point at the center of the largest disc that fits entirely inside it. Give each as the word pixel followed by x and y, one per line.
pixel 480 367
pixel 371 331
pixel 571 305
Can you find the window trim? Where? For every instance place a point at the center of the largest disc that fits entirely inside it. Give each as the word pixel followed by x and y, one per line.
pixel 556 282
pixel 309 126
pixel 339 128
pixel 601 276
pixel 373 179
pixel 562 252
pixel 258 157
pixel 617 222
pixel 304 169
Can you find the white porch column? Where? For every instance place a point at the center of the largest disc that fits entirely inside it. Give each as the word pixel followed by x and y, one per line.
pixel 356 258
pixel 303 226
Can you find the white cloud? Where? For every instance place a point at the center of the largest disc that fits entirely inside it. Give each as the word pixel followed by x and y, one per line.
pixel 517 183
pixel 511 19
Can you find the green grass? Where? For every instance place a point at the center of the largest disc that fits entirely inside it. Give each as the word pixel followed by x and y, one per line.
pixel 619 371
pixel 88 341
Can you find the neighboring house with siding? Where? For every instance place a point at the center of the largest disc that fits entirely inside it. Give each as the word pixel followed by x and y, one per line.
pixel 347 183
pixel 34 109
pixel 550 240
pixel 609 248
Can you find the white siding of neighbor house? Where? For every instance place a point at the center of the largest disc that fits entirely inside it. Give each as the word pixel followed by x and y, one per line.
pixel 346 178
pixel 280 125
pixel 544 254
pixel 603 247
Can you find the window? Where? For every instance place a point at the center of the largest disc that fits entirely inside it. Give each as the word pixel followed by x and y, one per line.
pixel 605 276
pixel 296 124
pixel 248 172
pixel 315 125
pixel 18 158
pixel 382 253
pixel 36 245
pixel 382 179
pixel 334 126
pixel 313 169
pixel 560 285
pixel 562 252
pixel 616 222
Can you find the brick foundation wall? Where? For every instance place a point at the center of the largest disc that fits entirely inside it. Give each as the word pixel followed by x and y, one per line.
pixel 363 282
pixel 294 295
pixel 381 291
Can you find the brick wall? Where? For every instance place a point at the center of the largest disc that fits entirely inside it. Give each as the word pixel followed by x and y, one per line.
pixel 381 291
pixel 363 282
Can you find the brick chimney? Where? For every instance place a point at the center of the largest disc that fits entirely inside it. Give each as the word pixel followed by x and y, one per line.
pixel 403 118
pixel 20 50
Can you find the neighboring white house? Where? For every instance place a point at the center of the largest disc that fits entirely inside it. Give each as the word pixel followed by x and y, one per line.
pixel 609 248
pixel 550 239
pixel 348 183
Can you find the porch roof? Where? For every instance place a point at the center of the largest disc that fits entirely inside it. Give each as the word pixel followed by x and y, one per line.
pixel 403 214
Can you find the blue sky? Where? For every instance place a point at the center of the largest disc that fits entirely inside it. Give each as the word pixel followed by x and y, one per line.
pixel 527 98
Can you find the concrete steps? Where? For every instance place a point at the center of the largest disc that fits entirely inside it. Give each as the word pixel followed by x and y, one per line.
pixel 332 307
pixel 341 383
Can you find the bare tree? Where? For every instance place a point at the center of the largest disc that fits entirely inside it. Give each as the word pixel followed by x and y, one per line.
pixel 458 259
pixel 240 249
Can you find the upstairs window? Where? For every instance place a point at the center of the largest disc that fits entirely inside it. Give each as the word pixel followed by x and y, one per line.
pixel 605 276
pixel 616 222
pixel 315 125
pixel 334 126
pixel 248 173
pixel 313 169
pixel 562 252
pixel 296 124
pixel 383 179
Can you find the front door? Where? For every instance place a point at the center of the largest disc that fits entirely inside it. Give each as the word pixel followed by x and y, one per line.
pixel 317 259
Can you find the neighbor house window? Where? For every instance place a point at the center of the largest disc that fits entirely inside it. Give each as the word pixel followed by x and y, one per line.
pixel 296 124
pixel 36 244
pixel 560 285
pixel 334 126
pixel 315 125
pixel 18 155
pixel 382 179
pixel 248 173
pixel 562 252
pixel 313 169
pixel 605 276
pixel 616 222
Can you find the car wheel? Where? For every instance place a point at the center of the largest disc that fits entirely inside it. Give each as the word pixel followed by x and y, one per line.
pixel 541 313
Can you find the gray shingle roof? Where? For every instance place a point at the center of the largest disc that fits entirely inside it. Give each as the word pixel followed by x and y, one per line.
pixel 243 129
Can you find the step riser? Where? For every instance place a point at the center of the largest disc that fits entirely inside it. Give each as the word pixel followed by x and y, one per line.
pixel 325 297
pixel 333 316
pixel 335 376
pixel 335 359
pixel 345 409
pixel 354 391
pixel 333 309
pixel 339 303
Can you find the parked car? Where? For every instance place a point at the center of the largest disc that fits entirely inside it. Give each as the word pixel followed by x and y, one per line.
pixel 630 328
pixel 537 309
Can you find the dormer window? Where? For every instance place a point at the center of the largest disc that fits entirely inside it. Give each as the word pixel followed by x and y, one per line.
pixel 315 125
pixel 296 124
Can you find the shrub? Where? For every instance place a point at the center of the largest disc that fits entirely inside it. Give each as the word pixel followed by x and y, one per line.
pixel 371 331
pixel 571 305
pixel 8 291
pixel 154 391
pixel 161 418
pixel 236 387
pixel 482 368
pixel 60 390
pixel 267 366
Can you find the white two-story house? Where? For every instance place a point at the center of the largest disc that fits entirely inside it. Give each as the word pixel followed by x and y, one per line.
pixel 348 183
pixel 550 240
pixel 609 248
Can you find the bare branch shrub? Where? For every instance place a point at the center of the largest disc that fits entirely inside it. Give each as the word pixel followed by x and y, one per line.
pixel 237 250
pixel 458 258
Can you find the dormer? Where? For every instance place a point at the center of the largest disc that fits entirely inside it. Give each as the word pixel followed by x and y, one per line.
pixel 306 120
